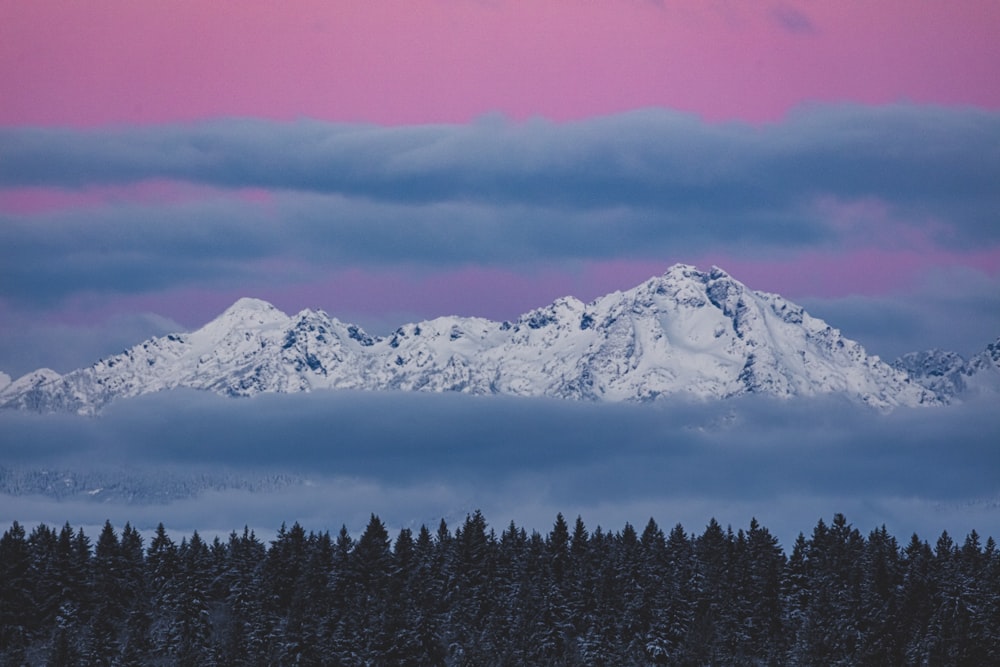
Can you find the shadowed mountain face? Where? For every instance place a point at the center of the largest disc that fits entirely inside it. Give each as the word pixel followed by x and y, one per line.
pixel 687 332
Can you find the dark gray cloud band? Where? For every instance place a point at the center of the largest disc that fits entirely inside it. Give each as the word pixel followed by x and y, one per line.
pixel 419 457
pixel 914 155
pixel 640 185
pixel 403 438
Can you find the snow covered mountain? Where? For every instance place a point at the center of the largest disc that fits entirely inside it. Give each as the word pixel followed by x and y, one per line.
pixel 947 374
pixel 702 334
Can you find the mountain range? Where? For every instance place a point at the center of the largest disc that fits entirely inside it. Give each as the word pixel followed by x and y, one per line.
pixel 687 332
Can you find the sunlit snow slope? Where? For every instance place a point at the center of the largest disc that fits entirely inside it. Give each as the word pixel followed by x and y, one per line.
pixel 688 332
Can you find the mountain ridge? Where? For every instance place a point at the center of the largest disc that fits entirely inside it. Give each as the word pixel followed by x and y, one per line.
pixel 689 332
pixel 949 374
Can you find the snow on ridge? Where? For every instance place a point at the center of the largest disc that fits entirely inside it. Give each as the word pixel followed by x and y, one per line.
pixel 688 332
pixel 950 375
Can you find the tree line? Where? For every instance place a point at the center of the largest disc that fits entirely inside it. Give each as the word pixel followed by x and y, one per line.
pixel 472 597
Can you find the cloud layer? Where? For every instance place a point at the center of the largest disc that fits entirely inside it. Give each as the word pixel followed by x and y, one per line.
pixel 492 191
pixel 417 458
pixel 634 185
pixel 363 220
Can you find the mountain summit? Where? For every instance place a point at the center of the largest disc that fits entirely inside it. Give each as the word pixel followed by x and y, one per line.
pixel 687 332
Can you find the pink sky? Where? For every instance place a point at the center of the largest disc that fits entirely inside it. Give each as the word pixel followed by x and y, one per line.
pixel 114 61
pixel 85 64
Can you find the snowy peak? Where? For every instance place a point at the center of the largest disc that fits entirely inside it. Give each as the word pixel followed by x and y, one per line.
pixel 949 375
pixel 248 308
pixel 686 286
pixel 565 311
pixel 686 332
pixel 29 382
pixel 986 361
pixel 32 392
pixel 246 313
pixel 707 334
pixel 940 371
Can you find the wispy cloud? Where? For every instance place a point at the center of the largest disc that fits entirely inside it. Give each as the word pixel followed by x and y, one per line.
pixel 955 309
pixel 793 20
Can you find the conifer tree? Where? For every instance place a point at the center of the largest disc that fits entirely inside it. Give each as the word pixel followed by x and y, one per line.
pixel 16 605
pixel 916 599
pixel 882 642
pixel 767 640
pixel 711 595
pixel 990 617
pixel 654 594
pixel 370 564
pixel 163 569
pixel 682 580
pixel 191 632
pixel 135 599
pixel 103 646
pixel 43 579
pixel 339 623
pixel 426 593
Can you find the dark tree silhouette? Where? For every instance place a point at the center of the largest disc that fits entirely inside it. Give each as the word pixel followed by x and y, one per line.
pixel 568 597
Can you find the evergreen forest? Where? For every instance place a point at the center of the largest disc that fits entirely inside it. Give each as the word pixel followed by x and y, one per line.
pixel 470 596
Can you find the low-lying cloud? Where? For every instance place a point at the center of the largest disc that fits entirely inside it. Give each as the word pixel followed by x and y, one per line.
pixel 417 458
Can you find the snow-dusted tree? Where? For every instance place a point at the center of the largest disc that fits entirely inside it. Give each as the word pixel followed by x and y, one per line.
pixel 370 564
pixel 190 634
pixel 766 639
pixel 163 571
pixel 882 642
pixel 135 597
pixel 16 605
pixel 109 600
pixel 239 634
pixel 831 630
